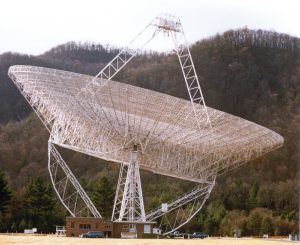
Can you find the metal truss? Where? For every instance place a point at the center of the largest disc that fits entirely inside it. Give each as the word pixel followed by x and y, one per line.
pixel 129 203
pixel 34 101
pixel 117 63
pixel 67 187
pixel 183 209
pixel 172 25
pixel 119 192
pixel 200 190
pixel 110 70
pixel 106 122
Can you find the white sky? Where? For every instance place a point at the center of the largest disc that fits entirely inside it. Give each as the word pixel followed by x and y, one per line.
pixel 34 26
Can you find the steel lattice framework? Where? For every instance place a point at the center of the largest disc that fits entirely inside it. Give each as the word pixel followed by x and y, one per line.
pixel 139 128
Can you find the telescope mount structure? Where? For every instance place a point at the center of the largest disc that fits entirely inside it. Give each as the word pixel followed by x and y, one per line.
pixel 139 129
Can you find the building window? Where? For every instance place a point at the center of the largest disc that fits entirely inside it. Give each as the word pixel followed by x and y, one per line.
pixel 97 225
pixel 147 229
pixel 72 225
pixel 85 226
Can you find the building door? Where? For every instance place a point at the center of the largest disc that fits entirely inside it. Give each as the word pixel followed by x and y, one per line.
pixel 132 228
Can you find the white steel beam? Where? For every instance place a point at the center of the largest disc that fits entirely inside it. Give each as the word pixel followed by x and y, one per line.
pixel 67 187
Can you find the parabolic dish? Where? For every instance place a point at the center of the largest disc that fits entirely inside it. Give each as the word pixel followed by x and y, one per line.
pixel 107 119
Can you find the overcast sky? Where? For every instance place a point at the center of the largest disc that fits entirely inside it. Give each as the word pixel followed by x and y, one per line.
pixel 34 26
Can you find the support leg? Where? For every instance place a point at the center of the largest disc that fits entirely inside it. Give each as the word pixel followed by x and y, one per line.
pixel 67 187
pixel 129 203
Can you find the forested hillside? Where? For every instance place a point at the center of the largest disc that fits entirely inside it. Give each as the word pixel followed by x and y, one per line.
pixel 251 74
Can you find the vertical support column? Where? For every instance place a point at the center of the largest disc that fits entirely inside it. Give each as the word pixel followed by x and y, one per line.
pixel 140 193
pixel 132 204
pixel 131 172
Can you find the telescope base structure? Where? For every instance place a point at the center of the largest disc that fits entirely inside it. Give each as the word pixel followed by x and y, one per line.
pixel 129 203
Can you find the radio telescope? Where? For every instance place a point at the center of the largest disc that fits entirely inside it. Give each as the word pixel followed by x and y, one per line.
pixel 139 129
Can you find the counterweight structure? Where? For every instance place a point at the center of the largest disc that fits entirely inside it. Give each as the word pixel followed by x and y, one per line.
pixel 139 129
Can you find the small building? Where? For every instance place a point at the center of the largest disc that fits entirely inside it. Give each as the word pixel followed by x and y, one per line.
pixel 76 226
pixel 127 229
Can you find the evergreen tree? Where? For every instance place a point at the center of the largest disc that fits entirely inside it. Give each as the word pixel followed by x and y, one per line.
pixel 103 197
pixel 14 227
pixel 252 201
pixel 5 194
pixel 22 225
pixel 40 205
pixel 254 222
pixel 266 226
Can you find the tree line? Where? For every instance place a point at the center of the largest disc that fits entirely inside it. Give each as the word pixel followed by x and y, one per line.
pixel 255 38
pixel 38 207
